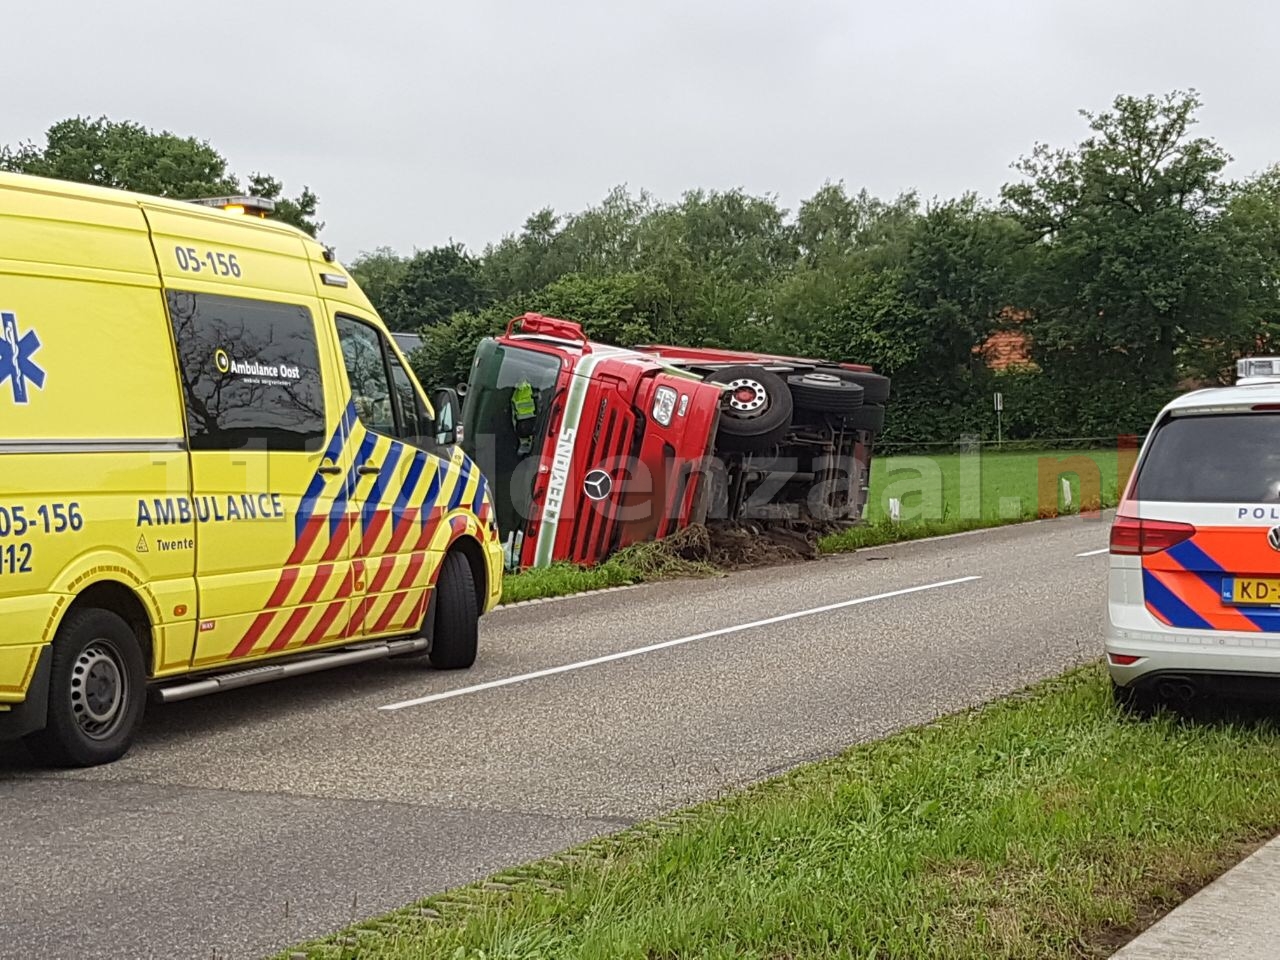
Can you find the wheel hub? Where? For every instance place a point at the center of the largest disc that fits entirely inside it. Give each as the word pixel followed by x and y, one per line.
pixel 98 690
pixel 747 398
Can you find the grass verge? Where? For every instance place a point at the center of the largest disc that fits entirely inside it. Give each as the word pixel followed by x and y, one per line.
pixel 1041 825
pixel 635 564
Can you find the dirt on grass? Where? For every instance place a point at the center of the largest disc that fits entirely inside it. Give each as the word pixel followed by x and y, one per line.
pixel 739 546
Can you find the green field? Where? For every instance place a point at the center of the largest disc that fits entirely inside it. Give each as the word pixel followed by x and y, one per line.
pixel 1026 828
pixel 991 487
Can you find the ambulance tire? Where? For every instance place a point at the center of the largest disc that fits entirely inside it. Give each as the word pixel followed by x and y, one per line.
pixel 456 631
pixel 97 691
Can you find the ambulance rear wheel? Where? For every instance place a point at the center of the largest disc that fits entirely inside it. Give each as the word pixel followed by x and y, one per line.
pixel 97 691
pixel 456 630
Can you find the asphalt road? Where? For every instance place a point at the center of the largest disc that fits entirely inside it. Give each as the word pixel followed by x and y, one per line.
pixel 248 821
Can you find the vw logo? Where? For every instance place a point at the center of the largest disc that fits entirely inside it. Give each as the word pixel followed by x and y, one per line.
pixel 599 485
pixel 1273 538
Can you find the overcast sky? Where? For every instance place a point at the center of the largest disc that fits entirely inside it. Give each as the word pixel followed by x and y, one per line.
pixel 416 121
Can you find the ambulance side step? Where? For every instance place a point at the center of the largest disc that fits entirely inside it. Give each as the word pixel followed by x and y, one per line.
pixel 291 668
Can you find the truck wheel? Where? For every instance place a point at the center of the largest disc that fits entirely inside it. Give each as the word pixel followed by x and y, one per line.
pixel 875 386
pixel 758 413
pixel 97 691
pixel 456 631
pixel 870 416
pixel 825 392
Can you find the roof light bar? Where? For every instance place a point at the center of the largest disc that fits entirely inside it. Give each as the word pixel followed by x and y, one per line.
pixel 1257 369
pixel 249 206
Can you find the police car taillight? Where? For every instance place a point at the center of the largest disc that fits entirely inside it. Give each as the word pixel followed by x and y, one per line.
pixel 1141 538
pixel 1257 369
pixel 248 206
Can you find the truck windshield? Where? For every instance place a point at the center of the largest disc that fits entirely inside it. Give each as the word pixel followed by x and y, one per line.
pixel 504 422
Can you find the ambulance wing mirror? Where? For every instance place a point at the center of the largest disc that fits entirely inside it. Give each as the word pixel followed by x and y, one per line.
pixel 448 416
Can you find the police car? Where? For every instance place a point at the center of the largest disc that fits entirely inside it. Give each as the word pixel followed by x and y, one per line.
pixel 1194 589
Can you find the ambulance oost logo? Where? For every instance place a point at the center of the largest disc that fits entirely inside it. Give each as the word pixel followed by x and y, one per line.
pixel 1273 538
pixel 222 360
pixel 17 365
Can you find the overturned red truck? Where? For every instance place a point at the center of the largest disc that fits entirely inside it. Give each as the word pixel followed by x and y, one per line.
pixel 590 447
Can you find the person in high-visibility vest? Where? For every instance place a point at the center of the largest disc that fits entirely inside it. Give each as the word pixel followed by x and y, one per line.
pixel 524 415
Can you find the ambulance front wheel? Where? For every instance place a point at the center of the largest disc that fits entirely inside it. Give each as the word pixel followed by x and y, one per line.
pixel 97 691
pixel 456 630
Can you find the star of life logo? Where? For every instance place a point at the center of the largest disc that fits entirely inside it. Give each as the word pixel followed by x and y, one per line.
pixel 17 367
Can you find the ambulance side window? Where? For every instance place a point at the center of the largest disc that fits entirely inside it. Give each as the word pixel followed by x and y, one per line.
pixel 367 372
pixel 382 390
pixel 250 373
pixel 414 426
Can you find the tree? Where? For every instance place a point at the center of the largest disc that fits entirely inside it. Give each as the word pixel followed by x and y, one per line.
pixel 1249 229
pixel 619 308
pixel 299 211
pixel 1125 263
pixel 832 225
pixel 128 156
pixel 528 261
pixel 380 273
pixel 433 285
pixel 447 348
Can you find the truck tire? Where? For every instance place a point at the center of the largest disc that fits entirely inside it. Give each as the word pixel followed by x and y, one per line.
pixel 825 392
pixel 758 414
pixel 97 692
pixel 869 417
pixel 875 386
pixel 456 631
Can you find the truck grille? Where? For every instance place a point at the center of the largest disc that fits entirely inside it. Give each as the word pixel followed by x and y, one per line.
pixel 611 440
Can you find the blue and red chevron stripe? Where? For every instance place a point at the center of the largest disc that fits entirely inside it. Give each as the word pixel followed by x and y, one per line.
pixel 1188 585
pixel 406 512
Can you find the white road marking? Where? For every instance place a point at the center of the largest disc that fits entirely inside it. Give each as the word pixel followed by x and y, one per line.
pixel 609 658
pixel 1093 553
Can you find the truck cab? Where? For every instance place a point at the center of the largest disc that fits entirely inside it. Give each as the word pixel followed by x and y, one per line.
pixel 589 447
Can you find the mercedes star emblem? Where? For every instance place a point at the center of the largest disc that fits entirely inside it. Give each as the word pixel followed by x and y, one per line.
pixel 599 485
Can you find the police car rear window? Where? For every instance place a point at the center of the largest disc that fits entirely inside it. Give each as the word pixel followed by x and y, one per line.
pixel 250 373
pixel 1227 458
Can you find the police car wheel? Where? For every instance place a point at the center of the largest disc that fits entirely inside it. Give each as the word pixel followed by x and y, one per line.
pixel 456 631
pixel 97 691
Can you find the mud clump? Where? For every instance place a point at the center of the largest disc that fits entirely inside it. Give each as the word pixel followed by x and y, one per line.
pixel 739 546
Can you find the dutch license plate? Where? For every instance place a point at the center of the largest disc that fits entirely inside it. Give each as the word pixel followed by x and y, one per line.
pixel 1253 591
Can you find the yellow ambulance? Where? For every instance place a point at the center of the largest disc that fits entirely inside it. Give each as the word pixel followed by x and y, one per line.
pixel 215 468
